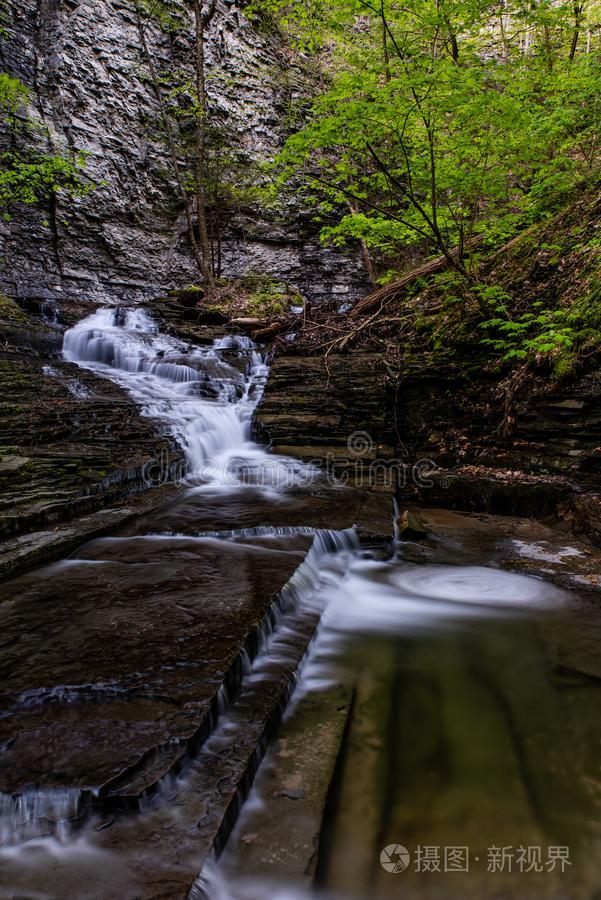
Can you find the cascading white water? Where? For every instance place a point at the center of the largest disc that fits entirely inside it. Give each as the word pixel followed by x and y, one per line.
pixel 206 401
pixel 20 817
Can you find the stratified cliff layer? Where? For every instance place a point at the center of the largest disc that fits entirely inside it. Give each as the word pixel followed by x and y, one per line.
pixel 127 240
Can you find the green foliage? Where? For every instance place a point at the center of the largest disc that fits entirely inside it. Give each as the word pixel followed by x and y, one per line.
pixel 531 335
pixel 267 297
pixel 27 174
pixel 302 21
pixel 13 97
pixel 441 121
pixel 170 15
pixel 10 311
pixel 38 177
pixel 452 128
pixel 260 296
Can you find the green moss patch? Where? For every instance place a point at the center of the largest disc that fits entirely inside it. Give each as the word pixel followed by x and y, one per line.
pixel 11 312
pixel 256 296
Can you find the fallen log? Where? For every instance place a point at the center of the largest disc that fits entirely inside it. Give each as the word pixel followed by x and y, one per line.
pixel 270 330
pixel 389 291
pixel 249 322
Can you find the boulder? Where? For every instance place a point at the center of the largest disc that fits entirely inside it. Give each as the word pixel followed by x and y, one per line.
pixel 411 526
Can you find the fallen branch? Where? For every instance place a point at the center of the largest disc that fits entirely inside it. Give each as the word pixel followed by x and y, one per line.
pixel 270 330
pixel 390 291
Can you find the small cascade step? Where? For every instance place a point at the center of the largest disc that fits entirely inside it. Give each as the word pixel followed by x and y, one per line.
pixel 164 845
pixel 132 614
pixel 277 837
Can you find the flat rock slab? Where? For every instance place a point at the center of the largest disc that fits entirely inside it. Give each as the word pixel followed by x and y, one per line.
pixel 18 554
pixel 513 542
pixel 111 662
pixel 319 506
pixel 173 508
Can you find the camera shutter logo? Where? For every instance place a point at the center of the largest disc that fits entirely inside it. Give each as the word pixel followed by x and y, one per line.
pixel 395 858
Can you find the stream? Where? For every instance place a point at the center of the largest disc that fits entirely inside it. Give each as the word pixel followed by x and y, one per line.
pixel 468 754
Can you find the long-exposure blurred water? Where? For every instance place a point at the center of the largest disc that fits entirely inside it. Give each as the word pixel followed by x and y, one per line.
pixel 474 728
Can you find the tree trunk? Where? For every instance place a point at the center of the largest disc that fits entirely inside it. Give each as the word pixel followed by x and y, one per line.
pixel 578 9
pixel 201 148
pixel 367 257
pixel 390 291
pixel 548 48
pixel 385 52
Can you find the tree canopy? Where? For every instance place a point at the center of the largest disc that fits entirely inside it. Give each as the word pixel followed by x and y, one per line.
pixel 447 124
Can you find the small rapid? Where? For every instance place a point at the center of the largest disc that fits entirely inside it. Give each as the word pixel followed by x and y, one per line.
pixel 440 663
pixel 66 830
pixel 205 396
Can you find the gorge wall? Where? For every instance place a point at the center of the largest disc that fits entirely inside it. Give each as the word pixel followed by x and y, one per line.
pixel 126 240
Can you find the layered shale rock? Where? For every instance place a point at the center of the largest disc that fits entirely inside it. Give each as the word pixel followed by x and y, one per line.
pixel 127 239
pixel 541 428
pixel 437 436
pixel 70 442
pixel 121 714
pixel 336 411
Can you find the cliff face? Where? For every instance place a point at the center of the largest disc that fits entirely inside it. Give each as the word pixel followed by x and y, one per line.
pixel 127 240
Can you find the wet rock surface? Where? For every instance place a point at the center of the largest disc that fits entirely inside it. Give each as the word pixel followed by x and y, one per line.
pixel 113 660
pixel 20 553
pixel 527 545
pixel 278 835
pixel 158 852
pixel 319 505
pixel 470 743
pixel 470 726
pixel 479 489
pixel 337 410
pixel 70 442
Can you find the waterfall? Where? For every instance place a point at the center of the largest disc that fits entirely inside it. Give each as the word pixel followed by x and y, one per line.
pixel 206 396
pixel 37 812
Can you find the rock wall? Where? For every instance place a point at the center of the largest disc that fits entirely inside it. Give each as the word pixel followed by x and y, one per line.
pixel 541 428
pixel 438 434
pixel 126 240
pixel 337 413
